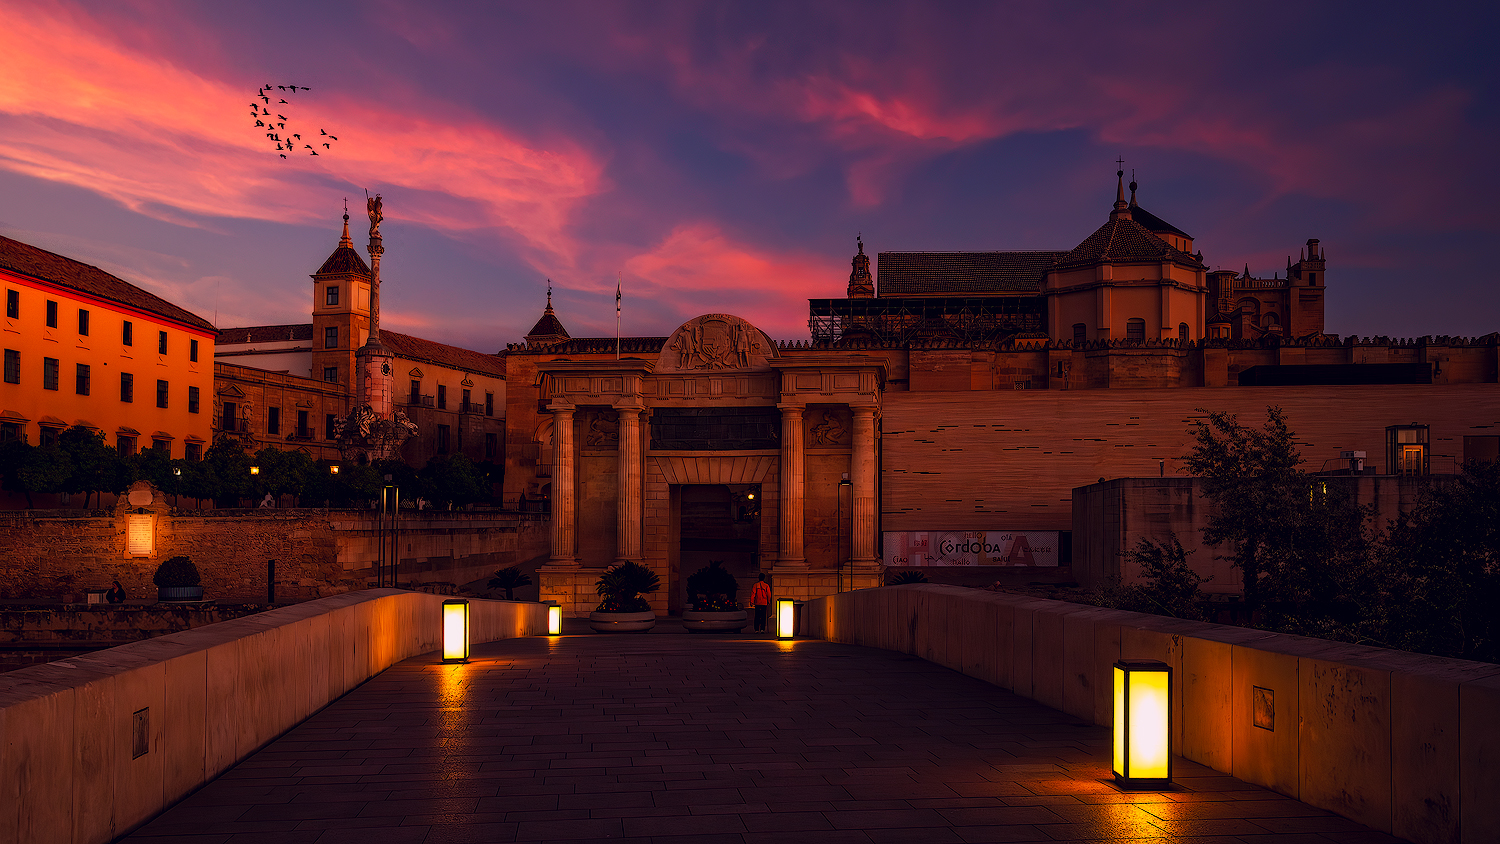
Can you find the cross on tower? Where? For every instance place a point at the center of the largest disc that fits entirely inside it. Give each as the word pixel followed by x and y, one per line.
pixel 1121 162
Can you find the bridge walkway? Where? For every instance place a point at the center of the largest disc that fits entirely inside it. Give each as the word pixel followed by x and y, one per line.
pixel 684 739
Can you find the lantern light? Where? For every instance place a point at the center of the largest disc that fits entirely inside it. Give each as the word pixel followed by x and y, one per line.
pixel 255 470
pixel 455 630
pixel 334 469
pixel 554 620
pixel 1143 723
pixel 785 618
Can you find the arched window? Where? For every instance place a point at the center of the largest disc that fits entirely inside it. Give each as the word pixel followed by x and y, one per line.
pixel 1080 332
pixel 1182 331
pixel 1135 329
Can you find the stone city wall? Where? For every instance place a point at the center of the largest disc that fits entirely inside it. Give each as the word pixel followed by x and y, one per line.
pixel 94 746
pixel 55 554
pixel 1403 743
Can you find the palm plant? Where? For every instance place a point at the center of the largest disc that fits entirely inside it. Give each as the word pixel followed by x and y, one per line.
pixel 510 579
pixel 621 586
pixel 906 577
pixel 712 587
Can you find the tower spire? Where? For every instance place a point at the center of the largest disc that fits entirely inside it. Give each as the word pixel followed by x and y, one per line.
pixel 1122 208
pixel 345 241
pixel 861 284
pixel 1132 188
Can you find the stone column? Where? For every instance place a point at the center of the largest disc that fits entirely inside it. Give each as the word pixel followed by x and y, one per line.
pixel 564 496
pixel 632 474
pixel 862 548
pixel 793 492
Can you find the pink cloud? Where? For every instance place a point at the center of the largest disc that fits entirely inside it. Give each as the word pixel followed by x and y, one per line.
pixel 81 108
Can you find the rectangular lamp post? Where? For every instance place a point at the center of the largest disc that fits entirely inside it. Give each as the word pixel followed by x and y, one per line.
pixel 1143 723
pixel 785 618
pixel 455 630
pixel 554 620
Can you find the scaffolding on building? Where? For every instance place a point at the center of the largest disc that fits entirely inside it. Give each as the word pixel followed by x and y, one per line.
pixel 965 320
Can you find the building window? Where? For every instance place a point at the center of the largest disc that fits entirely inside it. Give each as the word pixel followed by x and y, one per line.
pixel 81 379
pixel 467 403
pixel 491 445
pixel 10 432
pixel 331 295
pixel 83 322
pixel 1312 278
pixel 125 444
pixel 192 451
pixel 1182 331
pixel 442 400
pixel 162 445
pixel 12 366
pixel 127 387
pixel 50 367
pixel 12 304
pixel 192 399
pixel 331 337
pixel 1271 321
pixel 193 350
pixel 1135 329
pixel 330 427
pixel 230 419
pixel 273 420
pixel 49 435
pixel 303 429
pixel 1080 332
pixel 331 374
pixel 416 392
pixel 1406 449
pixel 161 393
pixel 161 342
pixel 489 404
pixel 442 438
pixel 51 314
pixel 127 333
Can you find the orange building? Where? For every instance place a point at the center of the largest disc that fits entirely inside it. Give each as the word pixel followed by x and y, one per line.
pixel 83 347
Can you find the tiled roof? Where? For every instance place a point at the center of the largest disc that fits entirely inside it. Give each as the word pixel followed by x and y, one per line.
pixel 1124 240
pixel 415 348
pixel 960 273
pixel 344 260
pixel 38 263
pixel 547 327
pixel 265 334
pixel 1155 223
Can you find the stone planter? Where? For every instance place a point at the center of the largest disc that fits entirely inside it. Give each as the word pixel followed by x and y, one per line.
pixel 622 622
pixel 179 593
pixel 728 621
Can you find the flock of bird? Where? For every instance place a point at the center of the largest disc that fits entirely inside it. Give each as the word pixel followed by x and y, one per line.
pixel 274 124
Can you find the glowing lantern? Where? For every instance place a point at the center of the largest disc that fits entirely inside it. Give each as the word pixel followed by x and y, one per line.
pixel 333 470
pixel 785 618
pixel 455 630
pixel 255 470
pixel 1143 723
pixel 554 620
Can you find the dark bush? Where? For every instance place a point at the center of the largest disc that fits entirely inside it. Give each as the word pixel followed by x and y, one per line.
pixel 906 577
pixel 713 585
pixel 176 571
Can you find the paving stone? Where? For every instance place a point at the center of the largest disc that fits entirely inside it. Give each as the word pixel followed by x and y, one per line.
pixel 680 740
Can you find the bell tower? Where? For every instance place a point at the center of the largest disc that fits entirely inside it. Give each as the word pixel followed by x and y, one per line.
pixel 341 312
pixel 861 284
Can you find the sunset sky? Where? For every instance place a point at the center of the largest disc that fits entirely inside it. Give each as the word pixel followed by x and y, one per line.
pixel 722 156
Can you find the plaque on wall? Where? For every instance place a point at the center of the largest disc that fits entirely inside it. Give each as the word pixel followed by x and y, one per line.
pixel 715 428
pixel 140 539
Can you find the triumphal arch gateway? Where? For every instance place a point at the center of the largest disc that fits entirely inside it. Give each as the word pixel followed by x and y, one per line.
pixel 711 444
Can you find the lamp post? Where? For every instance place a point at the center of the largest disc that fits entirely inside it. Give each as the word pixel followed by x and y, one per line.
pixel 455 630
pixel 554 620
pixel 844 484
pixel 786 618
pixel 1143 723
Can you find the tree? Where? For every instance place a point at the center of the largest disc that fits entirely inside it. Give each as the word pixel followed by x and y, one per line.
pixel 1168 586
pixel 45 469
pixel 452 480
pixel 510 579
pixel 283 472
pixel 229 467
pixel 1441 565
pixel 1251 476
pixel 96 466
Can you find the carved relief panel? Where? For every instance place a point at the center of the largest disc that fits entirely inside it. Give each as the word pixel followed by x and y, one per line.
pixel 601 429
pixel 829 427
pixel 714 343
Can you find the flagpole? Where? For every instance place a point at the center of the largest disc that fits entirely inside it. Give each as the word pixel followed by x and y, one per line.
pixel 617 316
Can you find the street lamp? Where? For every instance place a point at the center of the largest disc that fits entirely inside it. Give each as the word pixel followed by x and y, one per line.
pixel 554 620
pixel 255 470
pixel 786 619
pixel 1143 723
pixel 455 630
pixel 334 469
pixel 844 484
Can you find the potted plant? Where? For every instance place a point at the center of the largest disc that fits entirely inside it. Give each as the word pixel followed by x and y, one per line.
pixel 622 609
pixel 712 590
pixel 176 579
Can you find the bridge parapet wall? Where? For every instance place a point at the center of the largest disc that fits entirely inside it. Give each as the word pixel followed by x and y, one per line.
pixel 202 700
pixel 1404 743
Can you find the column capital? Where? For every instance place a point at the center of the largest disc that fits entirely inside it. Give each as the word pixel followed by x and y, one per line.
pixel 786 408
pixel 561 405
pixel 864 410
pixel 629 405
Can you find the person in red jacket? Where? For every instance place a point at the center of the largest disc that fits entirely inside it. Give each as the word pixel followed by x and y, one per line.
pixel 760 599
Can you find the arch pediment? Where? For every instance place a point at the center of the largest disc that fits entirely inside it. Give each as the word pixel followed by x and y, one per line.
pixel 716 343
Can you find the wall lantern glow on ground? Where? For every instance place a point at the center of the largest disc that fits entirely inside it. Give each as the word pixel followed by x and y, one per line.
pixel 455 630
pixel 785 618
pixel 554 620
pixel 1143 724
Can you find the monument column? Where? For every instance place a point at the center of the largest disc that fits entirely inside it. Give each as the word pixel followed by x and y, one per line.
pixel 793 488
pixel 862 550
pixel 564 497
pixel 631 473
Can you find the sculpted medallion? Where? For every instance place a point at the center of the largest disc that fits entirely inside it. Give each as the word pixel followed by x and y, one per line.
pixel 716 342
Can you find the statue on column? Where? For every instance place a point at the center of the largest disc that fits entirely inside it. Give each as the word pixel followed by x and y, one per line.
pixel 372 204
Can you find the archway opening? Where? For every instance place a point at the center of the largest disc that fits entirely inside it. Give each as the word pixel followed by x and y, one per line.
pixel 718 522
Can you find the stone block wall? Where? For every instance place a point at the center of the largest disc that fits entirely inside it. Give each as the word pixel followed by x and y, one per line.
pixel 1404 743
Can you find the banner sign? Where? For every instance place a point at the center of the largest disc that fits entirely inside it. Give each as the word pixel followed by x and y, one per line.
pixel 971 548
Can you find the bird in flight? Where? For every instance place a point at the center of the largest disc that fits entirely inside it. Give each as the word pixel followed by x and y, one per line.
pixel 264 119
pixel 283 102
